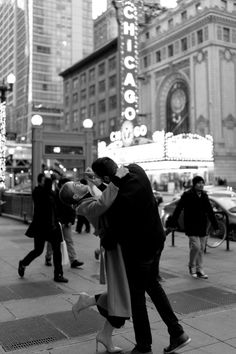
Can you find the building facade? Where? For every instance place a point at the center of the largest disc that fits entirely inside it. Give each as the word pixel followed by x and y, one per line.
pixel 90 91
pixel 188 71
pixel 38 40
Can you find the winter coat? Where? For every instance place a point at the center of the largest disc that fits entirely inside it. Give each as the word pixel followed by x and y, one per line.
pixel 197 211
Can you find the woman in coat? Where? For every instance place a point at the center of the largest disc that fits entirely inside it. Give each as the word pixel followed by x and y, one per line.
pixel 114 304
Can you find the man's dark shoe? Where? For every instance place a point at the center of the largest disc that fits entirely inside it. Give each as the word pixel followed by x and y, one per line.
pixel 201 274
pixel 60 279
pixel 76 264
pixel 48 262
pixel 138 350
pixel 177 343
pixel 21 269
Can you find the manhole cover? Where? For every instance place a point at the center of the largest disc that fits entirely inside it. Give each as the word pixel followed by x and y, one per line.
pixel 27 332
pixel 215 295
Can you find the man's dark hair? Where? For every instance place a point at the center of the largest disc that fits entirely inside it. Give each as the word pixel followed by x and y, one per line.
pixel 104 166
pixel 40 177
pixel 197 179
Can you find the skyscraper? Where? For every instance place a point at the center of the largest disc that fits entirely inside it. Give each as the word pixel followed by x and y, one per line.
pixel 39 39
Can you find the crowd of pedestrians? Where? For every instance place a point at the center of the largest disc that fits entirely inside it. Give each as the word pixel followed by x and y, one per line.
pixel 117 203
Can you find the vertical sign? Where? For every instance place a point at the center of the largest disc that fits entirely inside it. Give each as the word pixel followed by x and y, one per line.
pixel 128 40
pixel 2 141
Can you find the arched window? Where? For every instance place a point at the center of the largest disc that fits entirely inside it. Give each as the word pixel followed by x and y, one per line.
pixel 177 109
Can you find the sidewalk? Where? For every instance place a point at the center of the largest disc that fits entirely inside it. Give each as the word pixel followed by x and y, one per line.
pixel 35 312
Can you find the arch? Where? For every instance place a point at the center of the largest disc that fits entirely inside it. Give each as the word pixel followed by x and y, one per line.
pixel 162 97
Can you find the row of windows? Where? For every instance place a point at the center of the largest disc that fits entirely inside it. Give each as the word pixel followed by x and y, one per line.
pixel 92 89
pixel 112 104
pixel 91 75
pixel 177 47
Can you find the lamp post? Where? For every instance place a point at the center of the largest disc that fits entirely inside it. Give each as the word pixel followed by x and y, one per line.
pixel 4 87
pixel 37 148
pixel 88 125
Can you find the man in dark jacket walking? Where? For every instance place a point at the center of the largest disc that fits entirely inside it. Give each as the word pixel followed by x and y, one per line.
pixel 133 220
pixel 197 210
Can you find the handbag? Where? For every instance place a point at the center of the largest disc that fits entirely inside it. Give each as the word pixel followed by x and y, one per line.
pixel 64 251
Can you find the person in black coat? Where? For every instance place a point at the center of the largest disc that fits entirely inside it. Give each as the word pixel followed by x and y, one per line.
pixel 135 223
pixel 44 227
pixel 197 211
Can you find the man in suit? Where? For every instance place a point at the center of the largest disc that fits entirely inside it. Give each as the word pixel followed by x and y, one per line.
pixel 135 223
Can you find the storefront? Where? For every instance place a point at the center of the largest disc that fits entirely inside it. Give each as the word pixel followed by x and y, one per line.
pixel 169 160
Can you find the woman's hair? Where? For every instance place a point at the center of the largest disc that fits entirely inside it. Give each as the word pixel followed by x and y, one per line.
pixel 104 166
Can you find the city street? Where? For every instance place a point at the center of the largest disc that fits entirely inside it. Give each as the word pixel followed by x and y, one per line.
pixel 36 312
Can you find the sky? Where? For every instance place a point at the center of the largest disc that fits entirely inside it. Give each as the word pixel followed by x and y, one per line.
pixel 99 6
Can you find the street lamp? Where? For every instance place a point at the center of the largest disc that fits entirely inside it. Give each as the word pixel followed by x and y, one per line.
pixel 88 125
pixel 3 89
pixel 37 148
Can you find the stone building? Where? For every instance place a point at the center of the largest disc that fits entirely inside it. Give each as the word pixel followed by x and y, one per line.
pixel 188 76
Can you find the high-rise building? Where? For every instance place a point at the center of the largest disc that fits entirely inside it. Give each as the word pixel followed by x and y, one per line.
pixel 39 39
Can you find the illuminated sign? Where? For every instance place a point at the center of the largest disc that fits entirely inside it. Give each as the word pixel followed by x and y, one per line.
pixel 129 68
pixel 166 147
pixel 139 130
pixel 2 141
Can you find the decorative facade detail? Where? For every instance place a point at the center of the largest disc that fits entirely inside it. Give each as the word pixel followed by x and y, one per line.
pixel 229 122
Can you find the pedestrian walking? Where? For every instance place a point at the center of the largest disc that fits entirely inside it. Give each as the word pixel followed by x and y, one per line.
pixel 44 227
pixel 81 219
pixel 135 224
pixel 114 304
pixel 66 216
pixel 197 211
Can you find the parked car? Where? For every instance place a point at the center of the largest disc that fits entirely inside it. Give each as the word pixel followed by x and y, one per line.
pixel 225 211
pixel 158 196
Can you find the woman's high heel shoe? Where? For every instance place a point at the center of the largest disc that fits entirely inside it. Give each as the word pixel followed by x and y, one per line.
pixel 107 344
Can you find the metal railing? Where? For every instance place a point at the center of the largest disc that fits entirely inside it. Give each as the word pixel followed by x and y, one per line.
pixel 18 205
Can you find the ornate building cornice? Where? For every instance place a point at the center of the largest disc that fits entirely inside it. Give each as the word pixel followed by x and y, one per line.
pixel 173 68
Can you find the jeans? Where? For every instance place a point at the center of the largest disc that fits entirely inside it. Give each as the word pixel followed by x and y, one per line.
pixel 142 278
pixel 67 233
pixel 196 246
pixel 38 250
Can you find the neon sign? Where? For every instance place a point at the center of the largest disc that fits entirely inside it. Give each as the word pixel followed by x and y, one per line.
pixel 129 68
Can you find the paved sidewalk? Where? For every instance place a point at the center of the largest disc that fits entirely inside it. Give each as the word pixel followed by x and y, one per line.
pixel 35 312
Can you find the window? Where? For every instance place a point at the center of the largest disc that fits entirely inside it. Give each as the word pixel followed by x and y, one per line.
pixel 158 29
pixel 83 95
pixel 170 23
pixel 83 79
pixel 66 86
pixel 234 6
pixel 112 124
pixel 75 83
pixel 112 81
pixel 158 56
pixel 92 74
pixel 67 120
pixel 101 69
pixel 92 90
pixel 147 35
pixel 102 106
pixel 145 62
pixel 92 110
pixel 112 63
pixel 43 49
pixel 67 101
pixel 102 128
pixel 75 116
pixel 226 34
pixel 102 86
pixel 83 113
pixel 75 97
pixel 44 87
pixel 184 44
pixel 170 50
pixel 199 36
pixel 224 4
pixel 112 102
pixel 184 15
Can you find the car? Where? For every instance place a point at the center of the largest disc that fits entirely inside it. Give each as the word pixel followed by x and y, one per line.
pixel 158 196
pixel 225 211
